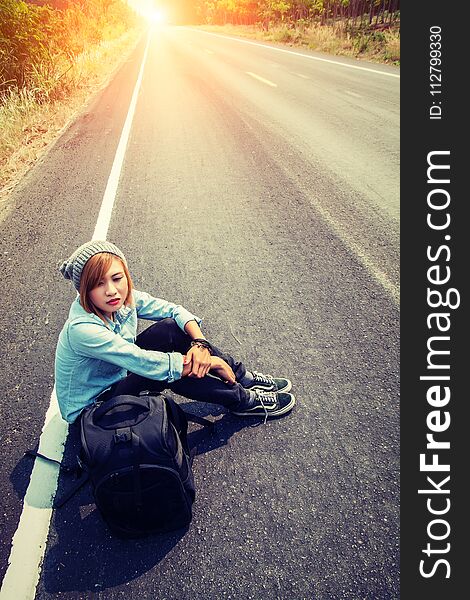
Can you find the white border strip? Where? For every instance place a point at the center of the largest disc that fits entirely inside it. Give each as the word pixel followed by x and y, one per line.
pixel 327 60
pixel 102 224
pixel 29 542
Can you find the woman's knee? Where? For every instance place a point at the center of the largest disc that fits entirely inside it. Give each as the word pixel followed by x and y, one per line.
pixel 164 335
pixel 167 323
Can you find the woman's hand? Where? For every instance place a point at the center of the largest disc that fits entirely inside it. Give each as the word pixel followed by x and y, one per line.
pixel 216 365
pixel 200 361
pixel 220 368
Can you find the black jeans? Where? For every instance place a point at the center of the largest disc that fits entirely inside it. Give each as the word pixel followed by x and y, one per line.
pixel 166 336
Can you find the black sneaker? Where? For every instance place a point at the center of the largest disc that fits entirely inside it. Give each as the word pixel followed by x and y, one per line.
pixel 267 404
pixel 267 383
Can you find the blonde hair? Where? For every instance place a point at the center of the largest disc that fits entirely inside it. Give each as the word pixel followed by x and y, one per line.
pixel 93 272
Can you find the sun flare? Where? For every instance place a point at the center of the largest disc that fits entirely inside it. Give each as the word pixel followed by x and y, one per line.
pixel 146 8
pixel 158 16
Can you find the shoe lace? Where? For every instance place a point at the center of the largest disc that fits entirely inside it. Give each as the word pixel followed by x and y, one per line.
pixel 261 378
pixel 266 398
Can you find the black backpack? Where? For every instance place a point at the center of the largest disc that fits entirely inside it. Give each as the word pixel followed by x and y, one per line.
pixel 135 451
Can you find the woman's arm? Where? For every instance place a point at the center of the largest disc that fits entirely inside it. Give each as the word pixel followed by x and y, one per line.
pixel 217 366
pixel 95 340
pixel 198 360
pixel 194 331
pixel 155 309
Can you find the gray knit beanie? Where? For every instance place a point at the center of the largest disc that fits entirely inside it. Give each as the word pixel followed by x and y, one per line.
pixel 72 268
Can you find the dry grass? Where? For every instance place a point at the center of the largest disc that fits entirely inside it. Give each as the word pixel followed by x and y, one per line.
pixel 379 46
pixel 28 128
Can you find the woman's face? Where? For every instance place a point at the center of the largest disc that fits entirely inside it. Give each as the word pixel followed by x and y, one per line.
pixel 111 291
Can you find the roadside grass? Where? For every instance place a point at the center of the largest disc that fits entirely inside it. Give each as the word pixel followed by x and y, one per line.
pixel 30 121
pixel 376 45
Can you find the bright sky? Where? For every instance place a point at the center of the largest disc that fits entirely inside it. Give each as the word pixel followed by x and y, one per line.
pixel 150 9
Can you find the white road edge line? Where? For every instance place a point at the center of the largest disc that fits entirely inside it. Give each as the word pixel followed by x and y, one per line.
pixel 104 216
pixel 29 541
pixel 262 79
pixel 327 60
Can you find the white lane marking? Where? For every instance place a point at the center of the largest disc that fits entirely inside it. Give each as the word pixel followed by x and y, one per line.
pixel 29 542
pixel 107 204
pixel 300 75
pixel 370 265
pixel 208 51
pixel 262 79
pixel 352 94
pixel 327 60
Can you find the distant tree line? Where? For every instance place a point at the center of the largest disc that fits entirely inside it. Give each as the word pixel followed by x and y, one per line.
pixel 351 13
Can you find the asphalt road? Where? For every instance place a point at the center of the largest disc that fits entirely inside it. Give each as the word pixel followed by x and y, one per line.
pixel 259 190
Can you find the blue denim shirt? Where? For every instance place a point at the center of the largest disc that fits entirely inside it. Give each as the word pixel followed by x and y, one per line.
pixel 92 355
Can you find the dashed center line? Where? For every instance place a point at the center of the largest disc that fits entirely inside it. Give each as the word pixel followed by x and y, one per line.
pixel 352 94
pixel 262 79
pixel 300 75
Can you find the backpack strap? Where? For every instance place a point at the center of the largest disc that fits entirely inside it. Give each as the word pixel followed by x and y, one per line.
pixel 58 502
pixel 102 409
pixel 79 471
pixel 131 441
pixel 199 420
pixel 178 415
pixel 175 411
pixel 63 468
pixel 180 418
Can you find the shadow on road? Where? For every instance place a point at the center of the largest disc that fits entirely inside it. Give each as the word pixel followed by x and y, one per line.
pixel 204 441
pixel 82 555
